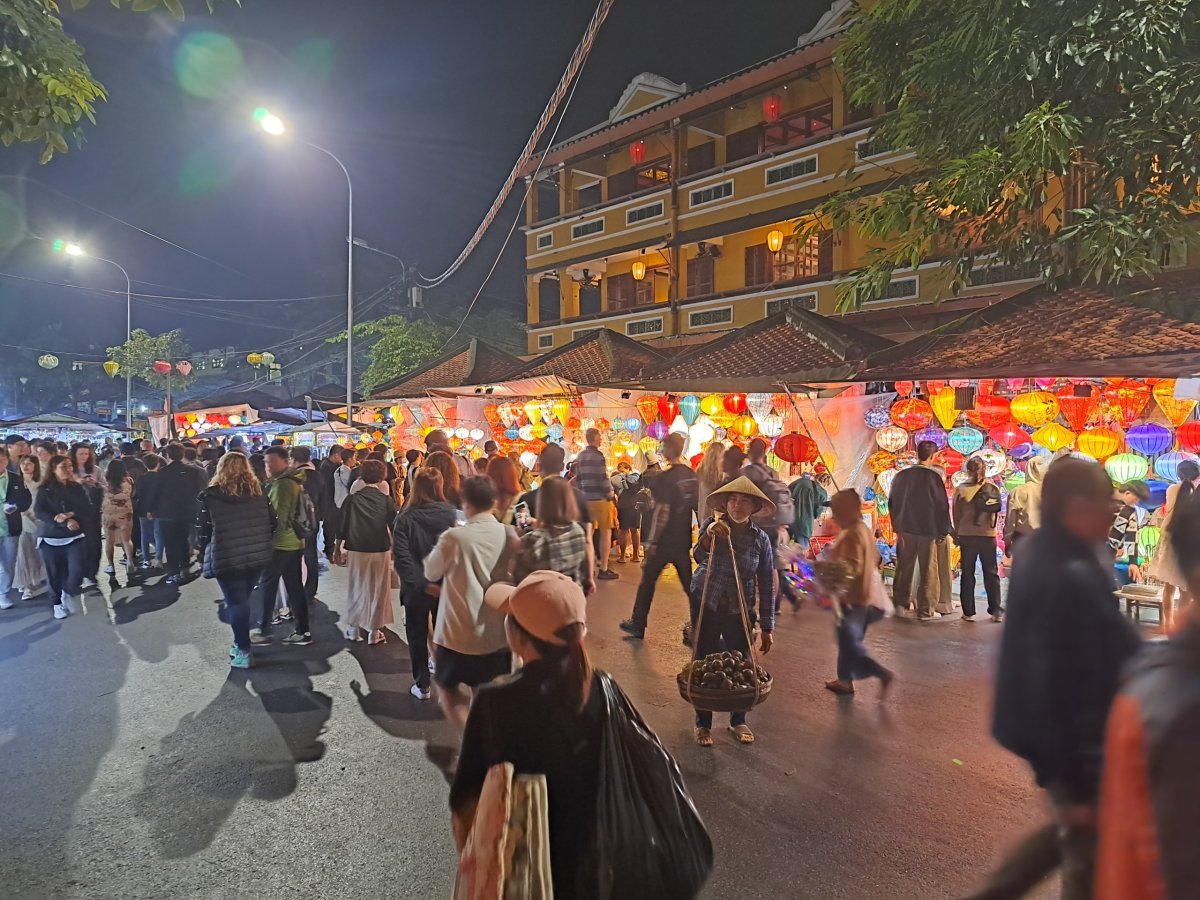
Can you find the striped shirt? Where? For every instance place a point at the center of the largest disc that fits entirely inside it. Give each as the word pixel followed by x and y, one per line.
pixel 591 475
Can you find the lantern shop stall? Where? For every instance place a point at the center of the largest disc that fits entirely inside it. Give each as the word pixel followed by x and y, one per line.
pixel 62 427
pixel 197 417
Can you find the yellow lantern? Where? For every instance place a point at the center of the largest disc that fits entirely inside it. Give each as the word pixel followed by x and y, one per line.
pixel 774 240
pixel 1176 411
pixel 1099 443
pixel 190 417
pixel 724 418
pixel 638 270
pixel 540 430
pixel 944 407
pixel 111 368
pixel 1035 408
pixel 647 444
pixel 533 409
pixel 712 405
pixel 396 413
pixel 235 420
pixel 255 359
pixel 561 409
pixel 1053 437
pixel 746 426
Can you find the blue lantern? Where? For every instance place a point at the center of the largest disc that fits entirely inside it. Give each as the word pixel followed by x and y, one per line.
pixel 877 417
pixel 555 432
pixel 1167 465
pixel 512 432
pixel 965 440
pixel 689 408
pixel 633 423
pixel 1149 438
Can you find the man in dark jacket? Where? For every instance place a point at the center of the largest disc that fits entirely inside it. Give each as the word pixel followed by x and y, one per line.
pixel 15 498
pixel 1060 661
pixel 921 519
pixel 176 506
pixel 301 458
pixel 328 511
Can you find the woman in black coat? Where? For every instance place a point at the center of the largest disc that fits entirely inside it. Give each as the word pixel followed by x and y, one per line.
pixel 65 516
pixel 237 527
pixel 416 532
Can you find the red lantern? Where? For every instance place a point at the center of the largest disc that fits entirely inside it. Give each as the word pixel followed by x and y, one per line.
pixel 772 107
pixel 637 152
pixel 911 414
pixel 1076 410
pixel 1008 435
pixel 184 368
pixel 1128 398
pixel 162 367
pixel 736 404
pixel 990 411
pixel 668 408
pixel 949 459
pixel 796 448
pixel 696 460
pixel 904 388
pixel 1189 436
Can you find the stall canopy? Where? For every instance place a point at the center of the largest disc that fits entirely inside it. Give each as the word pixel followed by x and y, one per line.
pixel 794 347
pixel 254 398
pixel 476 363
pixel 599 357
pixel 1143 329
pixel 59 422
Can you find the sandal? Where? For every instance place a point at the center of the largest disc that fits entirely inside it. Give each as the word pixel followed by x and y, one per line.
pixel 377 637
pixel 840 687
pixel 743 733
pixel 704 737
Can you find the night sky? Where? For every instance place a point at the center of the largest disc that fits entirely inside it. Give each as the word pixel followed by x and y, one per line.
pixel 426 103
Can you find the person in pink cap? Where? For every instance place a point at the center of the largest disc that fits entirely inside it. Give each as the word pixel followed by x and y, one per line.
pixel 546 719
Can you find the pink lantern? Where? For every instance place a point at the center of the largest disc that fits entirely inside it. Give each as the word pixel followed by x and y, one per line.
pixel 184 368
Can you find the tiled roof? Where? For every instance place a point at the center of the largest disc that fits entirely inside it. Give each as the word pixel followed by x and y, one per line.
pixel 599 357
pixel 793 346
pixel 1145 328
pixel 475 363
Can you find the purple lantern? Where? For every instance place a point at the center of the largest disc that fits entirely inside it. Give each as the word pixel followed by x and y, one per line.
pixel 1149 438
pixel 657 430
pixel 1022 451
pixel 933 433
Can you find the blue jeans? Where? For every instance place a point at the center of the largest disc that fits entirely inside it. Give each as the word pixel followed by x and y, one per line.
pixel 237 589
pixel 151 534
pixel 8 561
pixel 853 660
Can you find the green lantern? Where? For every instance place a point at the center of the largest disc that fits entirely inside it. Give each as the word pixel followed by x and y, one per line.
pixel 1148 539
pixel 1015 479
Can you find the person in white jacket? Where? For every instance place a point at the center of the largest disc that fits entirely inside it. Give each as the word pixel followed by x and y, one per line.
pixel 1024 515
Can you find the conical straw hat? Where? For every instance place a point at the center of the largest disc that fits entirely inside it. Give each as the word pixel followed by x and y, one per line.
pixel 740 485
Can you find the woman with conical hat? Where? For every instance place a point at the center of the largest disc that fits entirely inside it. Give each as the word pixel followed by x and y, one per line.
pixel 752 561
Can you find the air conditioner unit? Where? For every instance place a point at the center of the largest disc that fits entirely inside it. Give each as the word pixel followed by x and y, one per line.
pixel 416 297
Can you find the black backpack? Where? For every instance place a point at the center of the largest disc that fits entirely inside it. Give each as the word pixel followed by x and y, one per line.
pixel 986 503
pixel 304 519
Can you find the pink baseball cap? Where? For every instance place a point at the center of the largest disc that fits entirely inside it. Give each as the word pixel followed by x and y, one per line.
pixel 543 604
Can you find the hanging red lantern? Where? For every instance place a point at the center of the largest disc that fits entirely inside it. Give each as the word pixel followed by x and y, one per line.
pixel 911 414
pixel 1128 398
pixel 637 152
pixel 736 404
pixel 1078 411
pixel 772 107
pixel 949 459
pixel 668 408
pixel 990 411
pixel 162 367
pixel 904 388
pixel 796 448
pixel 184 368
pixel 648 407
pixel 1008 435
pixel 1189 436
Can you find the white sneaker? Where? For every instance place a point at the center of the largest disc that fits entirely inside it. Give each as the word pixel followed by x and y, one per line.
pixel 88 583
pixel 967 618
pixel 109 570
pixel 27 594
pixel 60 612
pixel 416 691
pixel 66 603
pixel 5 603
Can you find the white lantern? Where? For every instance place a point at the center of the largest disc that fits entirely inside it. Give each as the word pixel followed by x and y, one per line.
pixel 759 405
pixel 679 426
pixel 886 477
pixel 771 425
pixel 528 459
pixel 526 433
pixel 476 434
pixel 462 433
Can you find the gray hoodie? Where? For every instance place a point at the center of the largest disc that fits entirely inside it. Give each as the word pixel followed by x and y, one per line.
pixel 1025 503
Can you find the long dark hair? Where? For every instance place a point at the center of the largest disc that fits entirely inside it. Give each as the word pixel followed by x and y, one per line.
pixel 90 465
pixel 116 475
pixel 1188 472
pixel 49 478
pixel 575 671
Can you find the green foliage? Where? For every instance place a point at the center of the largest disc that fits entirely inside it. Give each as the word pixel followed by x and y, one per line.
pixel 143 349
pixel 1061 133
pixel 396 346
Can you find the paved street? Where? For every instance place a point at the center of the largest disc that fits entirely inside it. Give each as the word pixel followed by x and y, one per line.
pixel 136 765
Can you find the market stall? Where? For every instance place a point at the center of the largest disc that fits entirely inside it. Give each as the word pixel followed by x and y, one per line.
pixel 62 427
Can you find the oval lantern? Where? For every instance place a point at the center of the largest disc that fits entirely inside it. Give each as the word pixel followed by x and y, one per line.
pixel 994 461
pixel 1188 436
pixel 1098 443
pixel 701 433
pixel 798 448
pixel 724 418
pixel 657 430
pixel 771 425
pixel 949 459
pixel 958 478
pixel 1149 438
pixel 689 408
pixel 885 480
pixel 877 417
pixel 268 358
pixel 1126 467
pixel 668 408
pixel 647 408
pixel 711 405
pixel 990 411
pixel 1167 465
pixel 1015 479
pixel 525 432
pixel 111 368
pixel 1176 411
pixel 235 420
pixel 47 360
pixel 911 413
pixel 746 426
pixel 759 405
pixel 880 460
pixel 1053 437
pixel 255 359
pixel 735 403
pixel 184 368
pixel 934 434
pixel 1078 411
pixel 1008 435
pixel 964 439
pixel 1129 398
pixel 1034 408
pixel 1148 539
pixel 942 401
pixel 162 367
pixel 892 438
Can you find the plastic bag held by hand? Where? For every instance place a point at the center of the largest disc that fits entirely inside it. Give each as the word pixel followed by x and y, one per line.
pixel 650 841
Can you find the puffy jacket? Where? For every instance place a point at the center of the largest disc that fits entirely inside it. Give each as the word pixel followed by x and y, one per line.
pixel 414 536
pixel 179 484
pixel 918 503
pixel 236 533
pixel 367 517
pixel 18 495
pixel 1064 645
pixel 284 492
pixel 61 498
pixel 1025 502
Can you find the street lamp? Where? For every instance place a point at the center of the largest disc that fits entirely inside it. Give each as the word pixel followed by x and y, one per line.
pixel 274 125
pixel 67 248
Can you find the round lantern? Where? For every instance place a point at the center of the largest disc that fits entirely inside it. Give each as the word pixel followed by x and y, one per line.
pixel 935 434
pixel 235 420
pixel 555 432
pixel 689 408
pixel 637 152
pixel 906 459
pixel 759 405
pixel 990 411
pixel 1126 467
pixel 877 417
pixel 1149 438
pixel 1148 539
pixel 184 368
pixel 525 432
pixel 710 405
pixel 958 478
pixel 461 433
pixel 1078 411
pixel 911 413
pixel 949 459
pixel 1098 443
pixel 1008 435
pixel 1015 479
pixel 668 408
pixel 255 359
pixel 162 367
pixel 880 460
pixel 746 426
pixel 885 480
pixel 994 461
pixel 1023 451
pixel 735 403
pixel 47 360
pixel 964 439
pixel 1129 398
pixel 1188 436
pixel 943 405
pixel 772 107
pixel 268 358
pixel 771 425
pixel 1053 437
pixel 512 432
pixel 111 368
pixel 701 433
pixel 1167 465
pixel 657 430
pixel 1176 411
pixel 799 448
pixel 892 437
pixel 1034 408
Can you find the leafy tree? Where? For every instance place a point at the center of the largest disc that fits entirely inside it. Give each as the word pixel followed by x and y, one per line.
pixel 394 345
pixel 143 349
pixel 46 87
pixel 1061 134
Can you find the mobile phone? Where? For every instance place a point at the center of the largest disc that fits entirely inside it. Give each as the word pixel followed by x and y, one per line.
pixel 521 516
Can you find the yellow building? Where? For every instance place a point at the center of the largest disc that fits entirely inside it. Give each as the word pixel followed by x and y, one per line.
pixel 658 222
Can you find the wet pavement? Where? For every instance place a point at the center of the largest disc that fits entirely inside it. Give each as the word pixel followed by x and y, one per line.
pixel 135 764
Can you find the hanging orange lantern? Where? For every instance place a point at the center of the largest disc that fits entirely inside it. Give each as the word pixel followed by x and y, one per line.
pixel 904 388
pixel 746 426
pixel 647 408
pixel 880 461
pixel 943 405
pixel 710 405
pixel 796 448
pixel 1128 398
pixel 1098 443
pixel 990 411
pixel 735 403
pixel 1053 437
pixel 162 367
pixel 1035 408
pixel 911 414
pixel 1078 411
pixel 1176 411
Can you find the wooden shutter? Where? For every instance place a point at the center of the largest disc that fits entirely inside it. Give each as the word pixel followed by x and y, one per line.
pixel 620 291
pixel 622 184
pixel 700 276
pixel 702 158
pixel 742 144
pixel 825 253
pixel 758 265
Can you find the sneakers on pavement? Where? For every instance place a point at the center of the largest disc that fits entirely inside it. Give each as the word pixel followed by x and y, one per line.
pixel 632 628
pixel 297 639
pixel 257 638
pixel 60 612
pixel 420 693
pixel 66 602
pixel 970 618
pixel 5 603
pixel 110 570
pixel 284 615
pixel 608 575
pixel 240 659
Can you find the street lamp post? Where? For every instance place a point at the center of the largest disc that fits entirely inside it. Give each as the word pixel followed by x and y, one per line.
pixel 71 249
pixel 273 125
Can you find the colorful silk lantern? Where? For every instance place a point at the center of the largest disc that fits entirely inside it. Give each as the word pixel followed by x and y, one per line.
pixel 1167 465
pixel 540 430
pixel 701 433
pixel 994 461
pixel 965 439
pixel 512 432
pixel 1015 479
pixel 1008 435
pixel 877 417
pixel 911 413
pixel 1126 467
pixel 990 411
pixel 1128 398
pixel 771 425
pixel 111 368
pixel 880 460
pixel 255 359
pixel 525 432
pixel 735 403
pixel 942 403
pixel 1188 435
pixel 561 409
pixel 1053 437
pixel 668 407
pixel 935 434
pixel 1098 443
pixel 507 413
pixel 711 405
pixel 689 408
pixel 1149 438
pixel 904 388
pixel 1022 451
pixel 1035 408
pixel 1148 539
pixel 647 407
pixel 657 430
pixel 162 367
pixel 533 409
pixel 633 423
pixel 1078 411
pixel 184 368
pixel 1176 411
pixel 892 438
pixel 959 478
pixel 799 448
pixel 885 480
pixel 906 459
pixel 746 426
pixel 949 459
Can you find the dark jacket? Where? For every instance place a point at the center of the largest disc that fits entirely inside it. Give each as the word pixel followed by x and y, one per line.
pixel 367 518
pixel 145 494
pixel 325 474
pixel 61 498
pixel 179 484
pixel 19 496
pixel 414 536
pixel 236 533
pixel 1064 645
pixel 918 503
pixel 314 486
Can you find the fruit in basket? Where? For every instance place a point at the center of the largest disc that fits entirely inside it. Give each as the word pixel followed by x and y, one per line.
pixel 724 671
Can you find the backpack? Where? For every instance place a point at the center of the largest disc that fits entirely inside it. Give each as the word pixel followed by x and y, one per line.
pixel 767 480
pixel 986 503
pixel 304 518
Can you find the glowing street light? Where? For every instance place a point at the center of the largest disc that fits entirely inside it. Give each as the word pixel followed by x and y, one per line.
pixel 269 122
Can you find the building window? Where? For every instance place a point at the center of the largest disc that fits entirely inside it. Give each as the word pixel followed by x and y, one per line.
pixel 589 299
pixel 759 268
pixel 998 274
pixel 549 300
pixel 709 317
pixel 589 196
pixel 643 327
pixel 799 127
pixel 796 169
pixel 872 147
pixel 899 289
pixel 804 257
pixel 580 332
pixel 804 301
pixel 711 194
pixel 642 213
pixel 583 229
pixel 653 174
pixel 545 341
pixel 545 240
pixel 702 157
pixel 624 292
pixel 700 276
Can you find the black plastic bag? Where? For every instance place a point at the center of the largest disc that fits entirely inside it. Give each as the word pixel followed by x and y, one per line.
pixel 649 841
